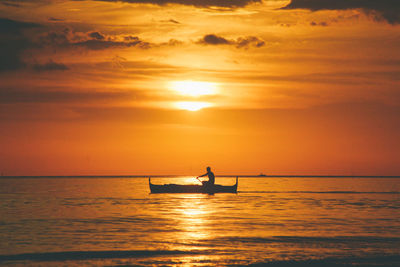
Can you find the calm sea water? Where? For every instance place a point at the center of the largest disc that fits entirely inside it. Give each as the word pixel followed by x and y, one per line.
pixel 271 221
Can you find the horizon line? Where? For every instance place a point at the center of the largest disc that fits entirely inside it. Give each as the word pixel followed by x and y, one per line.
pixel 183 176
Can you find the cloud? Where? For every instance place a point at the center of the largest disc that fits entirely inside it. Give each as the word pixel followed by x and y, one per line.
pixel 50 66
pixel 196 3
pixel 53 38
pixel 131 38
pixel 323 23
pixel 172 42
pixel 214 40
pixel 96 35
pixel 104 44
pixel 8 26
pixel 388 10
pixel 11 4
pixel 249 41
pixel 13 42
pixel 10 96
pixel 52 19
pixel 174 21
pixel 241 42
pixel 171 21
pixel 90 40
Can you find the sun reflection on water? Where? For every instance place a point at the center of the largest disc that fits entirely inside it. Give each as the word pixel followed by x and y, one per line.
pixel 193 218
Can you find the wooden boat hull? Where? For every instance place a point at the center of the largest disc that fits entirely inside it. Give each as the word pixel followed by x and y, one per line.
pixel 203 189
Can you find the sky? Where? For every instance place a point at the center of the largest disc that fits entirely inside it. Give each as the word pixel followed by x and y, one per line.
pixel 173 86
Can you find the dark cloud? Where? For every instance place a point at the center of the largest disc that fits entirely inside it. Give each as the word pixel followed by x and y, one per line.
pixel 91 40
pixel 170 21
pixel 8 26
pixel 96 35
pixel 172 42
pixel 241 42
pixel 323 23
pixel 131 38
pixel 249 41
pixel 55 38
pixel 55 19
pixel 13 42
pixel 174 21
pixel 197 3
pixel 10 96
pixel 11 4
pixel 50 66
pixel 388 10
pixel 214 40
pixel 105 44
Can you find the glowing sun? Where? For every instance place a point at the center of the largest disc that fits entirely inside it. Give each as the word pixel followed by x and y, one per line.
pixel 194 88
pixel 192 105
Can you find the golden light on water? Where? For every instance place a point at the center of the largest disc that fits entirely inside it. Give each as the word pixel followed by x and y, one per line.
pixel 193 212
pixel 192 105
pixel 194 88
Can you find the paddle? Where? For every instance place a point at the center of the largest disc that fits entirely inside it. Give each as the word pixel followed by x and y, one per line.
pixel 199 180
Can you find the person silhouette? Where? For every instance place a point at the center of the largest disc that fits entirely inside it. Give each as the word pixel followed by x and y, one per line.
pixel 211 177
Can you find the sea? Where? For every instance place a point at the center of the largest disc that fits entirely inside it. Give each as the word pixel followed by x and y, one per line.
pixel 271 221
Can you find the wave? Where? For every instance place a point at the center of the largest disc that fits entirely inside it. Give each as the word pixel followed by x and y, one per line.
pixel 378 261
pixel 392 260
pixel 319 192
pixel 302 240
pixel 90 255
pixel 310 239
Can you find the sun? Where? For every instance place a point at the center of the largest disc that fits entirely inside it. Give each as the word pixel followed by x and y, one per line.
pixel 193 88
pixel 192 105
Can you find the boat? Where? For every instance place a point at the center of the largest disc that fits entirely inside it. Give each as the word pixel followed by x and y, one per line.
pixel 204 188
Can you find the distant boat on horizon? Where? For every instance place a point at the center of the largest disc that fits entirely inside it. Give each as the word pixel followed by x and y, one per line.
pixel 262 175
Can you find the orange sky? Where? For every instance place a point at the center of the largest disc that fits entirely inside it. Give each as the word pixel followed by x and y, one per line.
pixel 170 87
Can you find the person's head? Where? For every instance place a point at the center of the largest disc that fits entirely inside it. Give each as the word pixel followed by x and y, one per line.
pixel 208 169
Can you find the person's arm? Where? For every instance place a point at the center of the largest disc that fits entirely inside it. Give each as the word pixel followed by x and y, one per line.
pixel 203 175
